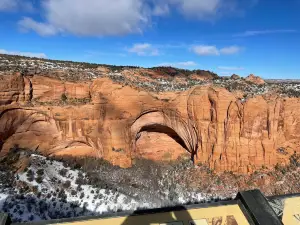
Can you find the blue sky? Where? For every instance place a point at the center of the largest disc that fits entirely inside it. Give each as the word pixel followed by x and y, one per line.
pixel 224 36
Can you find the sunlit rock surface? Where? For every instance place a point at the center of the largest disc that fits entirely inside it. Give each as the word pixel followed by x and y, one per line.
pixel 118 122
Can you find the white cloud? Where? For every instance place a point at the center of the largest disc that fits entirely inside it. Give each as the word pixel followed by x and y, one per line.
pixel 263 32
pixel 144 49
pixel 29 54
pixel 179 64
pixel 205 50
pixel 230 50
pixel 214 51
pixel 11 5
pixel 198 9
pixel 172 45
pixel 201 9
pixel 90 17
pixel 117 17
pixel 161 9
pixel 8 4
pixel 210 9
pixel 42 29
pixel 230 68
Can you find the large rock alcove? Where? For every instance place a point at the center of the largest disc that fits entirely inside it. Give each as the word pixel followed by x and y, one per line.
pixel 163 135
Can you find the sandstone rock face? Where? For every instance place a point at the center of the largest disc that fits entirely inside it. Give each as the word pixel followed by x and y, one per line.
pixel 19 89
pixel 206 123
pixel 255 79
pixel 49 89
pixel 11 89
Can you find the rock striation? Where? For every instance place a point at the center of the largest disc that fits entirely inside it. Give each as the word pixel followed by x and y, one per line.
pixel 103 118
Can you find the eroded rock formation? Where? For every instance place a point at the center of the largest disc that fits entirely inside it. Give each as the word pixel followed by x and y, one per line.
pixel 119 123
pixel 255 79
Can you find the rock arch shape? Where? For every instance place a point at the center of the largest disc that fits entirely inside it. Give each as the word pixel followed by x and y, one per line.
pixel 12 119
pixel 184 129
pixel 18 120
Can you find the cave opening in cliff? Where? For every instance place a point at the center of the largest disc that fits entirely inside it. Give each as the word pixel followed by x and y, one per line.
pixel 160 142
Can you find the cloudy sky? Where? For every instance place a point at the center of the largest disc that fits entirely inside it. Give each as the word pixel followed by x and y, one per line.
pixel 224 36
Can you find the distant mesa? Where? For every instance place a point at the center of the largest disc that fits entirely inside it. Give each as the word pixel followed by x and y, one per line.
pixel 255 79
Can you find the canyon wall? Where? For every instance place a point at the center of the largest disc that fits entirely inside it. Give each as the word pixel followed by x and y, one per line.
pixel 101 118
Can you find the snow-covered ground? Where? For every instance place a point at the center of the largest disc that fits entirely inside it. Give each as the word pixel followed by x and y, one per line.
pixel 58 192
pixel 95 200
pixel 33 187
pixel 49 190
pixel 3 197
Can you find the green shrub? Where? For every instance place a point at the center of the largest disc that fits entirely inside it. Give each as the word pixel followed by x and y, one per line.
pixel 63 172
pixel 39 179
pixel 67 184
pixel 40 172
pixel 64 98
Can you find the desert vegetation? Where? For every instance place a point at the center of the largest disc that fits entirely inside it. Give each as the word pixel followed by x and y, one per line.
pixel 166 80
pixel 34 187
pixel 62 187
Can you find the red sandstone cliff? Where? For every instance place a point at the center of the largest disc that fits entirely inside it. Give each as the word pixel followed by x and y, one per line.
pixel 119 123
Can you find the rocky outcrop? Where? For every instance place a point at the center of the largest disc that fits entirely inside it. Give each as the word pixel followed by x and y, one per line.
pixel 255 79
pixel 235 77
pixel 11 89
pixel 208 124
pixel 20 89
pixel 49 89
pixel 240 136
